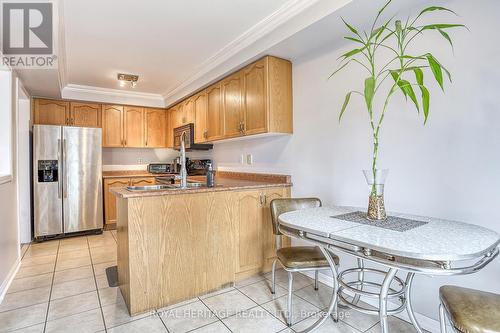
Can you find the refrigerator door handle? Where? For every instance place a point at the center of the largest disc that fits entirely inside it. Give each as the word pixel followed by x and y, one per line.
pixel 59 161
pixel 65 180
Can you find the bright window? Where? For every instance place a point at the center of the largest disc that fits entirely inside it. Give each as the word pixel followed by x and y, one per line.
pixel 5 125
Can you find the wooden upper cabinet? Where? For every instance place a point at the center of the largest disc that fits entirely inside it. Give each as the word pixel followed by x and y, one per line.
pixel 177 115
pixel 112 126
pixel 155 127
pixel 255 98
pixel 232 106
pixel 51 112
pixel 133 127
pixel 188 111
pixel 85 114
pixel 280 97
pixel 170 114
pixel 215 117
pixel 200 123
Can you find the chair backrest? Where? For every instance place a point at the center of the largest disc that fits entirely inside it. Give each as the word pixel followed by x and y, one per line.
pixel 280 206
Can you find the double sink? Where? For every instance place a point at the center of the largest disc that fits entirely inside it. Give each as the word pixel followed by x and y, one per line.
pixel 168 183
pixel 163 187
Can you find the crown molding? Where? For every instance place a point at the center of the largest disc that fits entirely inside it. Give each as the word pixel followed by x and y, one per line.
pixel 60 42
pixel 98 94
pixel 256 32
pixel 289 19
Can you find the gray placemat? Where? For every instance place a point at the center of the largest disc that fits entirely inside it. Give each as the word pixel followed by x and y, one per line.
pixel 391 223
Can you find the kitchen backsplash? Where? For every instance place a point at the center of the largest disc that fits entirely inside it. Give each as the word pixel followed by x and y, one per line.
pixel 113 158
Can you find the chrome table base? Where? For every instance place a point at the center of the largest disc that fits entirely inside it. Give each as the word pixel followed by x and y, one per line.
pixel 384 291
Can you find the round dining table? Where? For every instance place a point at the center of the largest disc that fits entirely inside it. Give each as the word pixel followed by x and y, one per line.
pixel 403 243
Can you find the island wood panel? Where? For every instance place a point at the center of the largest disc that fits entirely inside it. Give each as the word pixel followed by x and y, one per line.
pixel 179 246
pixel 51 112
pixel 155 128
pixel 133 127
pixel 112 126
pixel 122 256
pixel 255 112
pixel 85 114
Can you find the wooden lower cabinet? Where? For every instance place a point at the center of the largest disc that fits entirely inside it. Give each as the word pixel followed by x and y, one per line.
pixel 268 238
pixel 250 226
pixel 176 247
pixel 256 241
pixel 110 200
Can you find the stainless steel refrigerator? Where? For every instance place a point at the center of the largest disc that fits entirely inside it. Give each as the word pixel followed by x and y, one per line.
pixel 67 180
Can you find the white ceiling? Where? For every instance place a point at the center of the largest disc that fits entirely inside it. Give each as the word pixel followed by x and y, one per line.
pixel 177 47
pixel 169 44
pixel 161 41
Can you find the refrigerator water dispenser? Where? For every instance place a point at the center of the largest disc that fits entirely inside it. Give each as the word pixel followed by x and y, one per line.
pixel 47 171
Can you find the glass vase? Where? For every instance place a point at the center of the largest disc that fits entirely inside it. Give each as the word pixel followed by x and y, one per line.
pixel 376 182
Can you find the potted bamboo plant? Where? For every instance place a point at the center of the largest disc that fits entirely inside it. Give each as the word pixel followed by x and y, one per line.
pixel 391 68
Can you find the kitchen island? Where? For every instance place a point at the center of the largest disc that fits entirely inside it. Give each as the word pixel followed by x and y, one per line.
pixel 177 244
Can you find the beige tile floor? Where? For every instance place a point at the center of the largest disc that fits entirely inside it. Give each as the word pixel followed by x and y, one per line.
pixel 62 287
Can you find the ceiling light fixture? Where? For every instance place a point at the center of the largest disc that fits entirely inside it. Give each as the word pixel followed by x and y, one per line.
pixel 124 78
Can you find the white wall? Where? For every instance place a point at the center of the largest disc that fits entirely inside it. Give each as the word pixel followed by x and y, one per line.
pixel 5 121
pixel 449 168
pixel 23 164
pixel 9 235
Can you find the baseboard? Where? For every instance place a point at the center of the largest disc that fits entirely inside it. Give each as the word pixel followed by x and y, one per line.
pixel 425 322
pixel 10 277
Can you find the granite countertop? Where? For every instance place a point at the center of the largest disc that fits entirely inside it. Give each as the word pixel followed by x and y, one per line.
pixel 132 174
pixel 225 181
pixel 438 239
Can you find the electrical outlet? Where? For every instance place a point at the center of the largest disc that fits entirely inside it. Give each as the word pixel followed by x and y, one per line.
pixel 242 159
pixel 249 159
pixel 140 161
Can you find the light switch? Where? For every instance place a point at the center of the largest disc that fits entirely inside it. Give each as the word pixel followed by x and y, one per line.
pixel 249 159
pixel 242 159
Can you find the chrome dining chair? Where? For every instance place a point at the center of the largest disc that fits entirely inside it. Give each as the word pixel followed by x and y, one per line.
pixel 469 310
pixel 296 258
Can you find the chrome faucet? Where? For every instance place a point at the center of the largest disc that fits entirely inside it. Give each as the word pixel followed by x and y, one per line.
pixel 183 173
